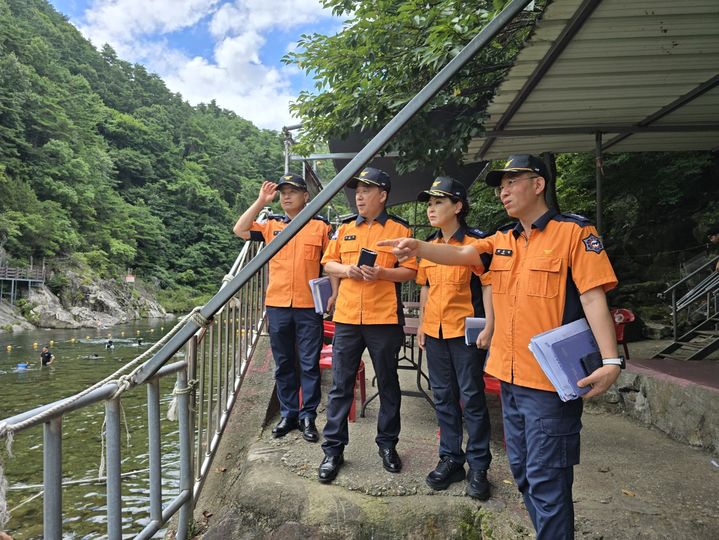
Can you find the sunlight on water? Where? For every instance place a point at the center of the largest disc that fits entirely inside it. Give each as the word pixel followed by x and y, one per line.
pixel 81 359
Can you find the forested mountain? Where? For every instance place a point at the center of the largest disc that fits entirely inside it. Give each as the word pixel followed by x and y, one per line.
pixel 102 164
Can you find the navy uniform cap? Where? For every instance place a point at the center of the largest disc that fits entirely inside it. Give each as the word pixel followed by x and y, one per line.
pixel 444 186
pixel 518 163
pixel 292 180
pixel 371 177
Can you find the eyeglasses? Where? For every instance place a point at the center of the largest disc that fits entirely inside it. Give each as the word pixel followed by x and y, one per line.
pixel 511 182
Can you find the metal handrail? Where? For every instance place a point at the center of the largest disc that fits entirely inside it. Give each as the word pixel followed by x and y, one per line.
pixel 688 299
pixel 686 278
pixel 209 381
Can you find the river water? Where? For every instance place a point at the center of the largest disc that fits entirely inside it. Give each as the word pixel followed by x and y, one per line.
pixel 81 359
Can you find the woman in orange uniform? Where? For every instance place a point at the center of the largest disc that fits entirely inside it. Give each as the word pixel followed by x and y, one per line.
pixel 449 294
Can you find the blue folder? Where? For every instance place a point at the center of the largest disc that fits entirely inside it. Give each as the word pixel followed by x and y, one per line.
pixel 321 289
pixel 559 353
pixel 472 327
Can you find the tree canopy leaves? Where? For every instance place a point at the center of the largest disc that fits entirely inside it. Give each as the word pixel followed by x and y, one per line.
pixel 99 161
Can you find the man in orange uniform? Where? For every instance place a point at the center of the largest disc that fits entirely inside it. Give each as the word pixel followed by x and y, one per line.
pixel 547 269
pixel 368 314
pixel 294 327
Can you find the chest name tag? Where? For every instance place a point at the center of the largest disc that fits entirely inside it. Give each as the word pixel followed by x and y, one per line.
pixel 503 252
pixel 350 237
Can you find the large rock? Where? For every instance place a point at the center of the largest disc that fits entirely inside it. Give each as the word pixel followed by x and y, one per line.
pixel 91 304
pixel 48 311
pixel 11 320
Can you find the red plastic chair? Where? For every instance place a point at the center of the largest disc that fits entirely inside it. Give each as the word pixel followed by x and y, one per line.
pixel 621 317
pixel 326 363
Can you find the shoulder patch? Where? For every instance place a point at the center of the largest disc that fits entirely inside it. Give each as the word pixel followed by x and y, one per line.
pixel 593 243
pixel 399 220
pixel 349 219
pixel 322 218
pixel 476 233
pixel 431 236
pixel 572 218
pixel 508 227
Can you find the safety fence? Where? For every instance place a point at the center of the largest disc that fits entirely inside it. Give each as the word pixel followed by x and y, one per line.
pixel 209 379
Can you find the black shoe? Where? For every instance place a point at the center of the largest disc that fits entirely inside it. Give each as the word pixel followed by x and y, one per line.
pixel 309 430
pixel 478 485
pixel 329 468
pixel 445 473
pixel 390 460
pixel 284 426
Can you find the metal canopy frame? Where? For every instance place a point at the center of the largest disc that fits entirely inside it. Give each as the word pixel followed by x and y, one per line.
pixel 593 68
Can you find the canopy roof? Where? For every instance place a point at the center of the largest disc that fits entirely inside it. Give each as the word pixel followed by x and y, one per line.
pixel 644 73
pixel 405 186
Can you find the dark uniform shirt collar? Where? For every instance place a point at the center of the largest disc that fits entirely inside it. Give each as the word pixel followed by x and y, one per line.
pixel 458 235
pixel 286 219
pixel 540 223
pixel 381 218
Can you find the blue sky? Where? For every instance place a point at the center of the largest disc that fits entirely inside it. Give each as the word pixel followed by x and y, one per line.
pixel 226 50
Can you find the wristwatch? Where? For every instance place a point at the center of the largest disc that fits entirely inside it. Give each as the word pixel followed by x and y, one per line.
pixel 618 361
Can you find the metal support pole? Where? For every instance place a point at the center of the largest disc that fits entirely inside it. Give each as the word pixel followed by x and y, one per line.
pixel 494 27
pixel 114 490
pixel 183 417
pixel 674 313
pixel 598 166
pixel 52 479
pixel 154 449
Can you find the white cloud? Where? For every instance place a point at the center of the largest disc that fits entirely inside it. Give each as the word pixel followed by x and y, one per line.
pixel 235 77
pixel 120 22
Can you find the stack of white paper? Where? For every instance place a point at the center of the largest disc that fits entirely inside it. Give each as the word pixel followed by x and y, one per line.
pixel 559 353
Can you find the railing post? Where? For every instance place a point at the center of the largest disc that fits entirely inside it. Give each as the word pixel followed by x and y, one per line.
pixel 114 490
pixel 186 481
pixel 52 479
pixel 674 313
pixel 154 449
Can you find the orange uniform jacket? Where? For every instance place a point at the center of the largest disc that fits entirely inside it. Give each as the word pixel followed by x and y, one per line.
pixel 455 292
pixel 368 302
pixel 536 285
pixel 296 263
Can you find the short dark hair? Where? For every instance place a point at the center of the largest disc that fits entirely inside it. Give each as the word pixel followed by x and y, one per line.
pixel 714 229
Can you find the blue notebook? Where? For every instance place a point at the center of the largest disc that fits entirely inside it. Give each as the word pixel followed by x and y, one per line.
pixel 321 289
pixel 559 353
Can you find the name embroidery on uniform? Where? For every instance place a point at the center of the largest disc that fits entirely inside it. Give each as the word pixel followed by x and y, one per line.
pixel 350 237
pixel 503 252
pixel 593 243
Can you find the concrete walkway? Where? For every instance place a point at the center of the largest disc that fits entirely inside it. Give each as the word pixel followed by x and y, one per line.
pixel 633 482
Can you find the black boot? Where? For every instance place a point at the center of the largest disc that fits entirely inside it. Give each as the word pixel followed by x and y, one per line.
pixel 445 473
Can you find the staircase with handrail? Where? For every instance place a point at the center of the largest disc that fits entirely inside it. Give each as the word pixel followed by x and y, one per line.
pixel 700 305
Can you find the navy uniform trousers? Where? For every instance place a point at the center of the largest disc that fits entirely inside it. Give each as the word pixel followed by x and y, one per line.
pixel 296 341
pixel 456 374
pixel 542 437
pixel 383 341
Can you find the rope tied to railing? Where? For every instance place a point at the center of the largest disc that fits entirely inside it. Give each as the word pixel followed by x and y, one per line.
pixel 124 383
pixel 172 409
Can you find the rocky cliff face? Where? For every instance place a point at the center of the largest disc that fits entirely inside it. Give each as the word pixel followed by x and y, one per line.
pixel 83 303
